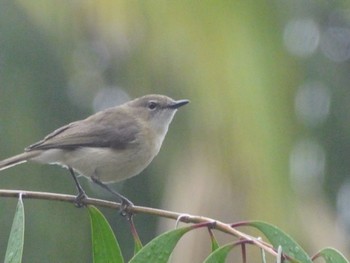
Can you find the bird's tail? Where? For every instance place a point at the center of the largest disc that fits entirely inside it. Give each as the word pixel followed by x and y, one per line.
pixel 17 159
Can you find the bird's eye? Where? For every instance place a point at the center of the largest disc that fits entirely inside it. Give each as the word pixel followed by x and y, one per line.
pixel 152 105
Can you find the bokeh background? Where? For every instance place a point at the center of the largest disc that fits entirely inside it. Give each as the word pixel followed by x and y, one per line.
pixel 266 136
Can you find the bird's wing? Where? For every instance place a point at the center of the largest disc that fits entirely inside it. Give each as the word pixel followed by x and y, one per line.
pixel 112 129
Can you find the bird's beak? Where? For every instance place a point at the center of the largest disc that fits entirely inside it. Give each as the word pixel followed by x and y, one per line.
pixel 177 104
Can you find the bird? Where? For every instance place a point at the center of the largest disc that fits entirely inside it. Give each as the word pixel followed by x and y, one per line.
pixel 107 147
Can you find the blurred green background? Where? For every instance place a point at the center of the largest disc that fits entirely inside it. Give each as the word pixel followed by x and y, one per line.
pixel 266 136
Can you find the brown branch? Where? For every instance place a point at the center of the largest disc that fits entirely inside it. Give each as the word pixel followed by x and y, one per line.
pixel 224 227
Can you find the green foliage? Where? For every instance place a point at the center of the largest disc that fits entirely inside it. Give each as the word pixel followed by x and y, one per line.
pixel 331 255
pixel 15 243
pixel 104 244
pixel 105 247
pixel 159 249
pixel 220 254
pixel 278 238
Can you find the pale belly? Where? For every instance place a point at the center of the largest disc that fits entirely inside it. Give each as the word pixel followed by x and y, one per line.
pixel 106 164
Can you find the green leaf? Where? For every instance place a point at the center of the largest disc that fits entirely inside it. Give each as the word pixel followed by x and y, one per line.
pixel 159 249
pixel 220 254
pixel 14 249
pixel 278 238
pixel 331 255
pixel 104 244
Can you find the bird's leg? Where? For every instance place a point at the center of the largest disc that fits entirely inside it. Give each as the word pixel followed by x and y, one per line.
pixel 81 193
pixel 125 202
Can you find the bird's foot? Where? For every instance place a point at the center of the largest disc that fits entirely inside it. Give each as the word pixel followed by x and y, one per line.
pixel 79 199
pixel 126 204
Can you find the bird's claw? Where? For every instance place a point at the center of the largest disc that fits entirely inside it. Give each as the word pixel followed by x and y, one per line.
pixel 79 199
pixel 126 204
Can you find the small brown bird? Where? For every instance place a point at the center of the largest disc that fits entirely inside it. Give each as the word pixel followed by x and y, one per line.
pixel 109 146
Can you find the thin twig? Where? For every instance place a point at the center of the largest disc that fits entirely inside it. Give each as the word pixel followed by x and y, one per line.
pixel 141 210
